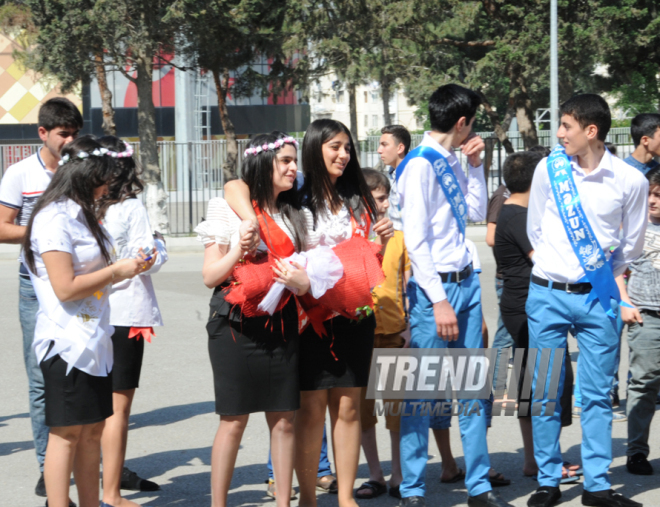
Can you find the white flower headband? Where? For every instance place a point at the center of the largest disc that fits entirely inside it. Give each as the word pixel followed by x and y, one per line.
pixel 271 146
pixel 99 152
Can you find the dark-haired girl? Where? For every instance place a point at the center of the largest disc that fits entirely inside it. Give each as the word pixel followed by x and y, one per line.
pixel 333 369
pixel 69 256
pixel 255 359
pixel 133 314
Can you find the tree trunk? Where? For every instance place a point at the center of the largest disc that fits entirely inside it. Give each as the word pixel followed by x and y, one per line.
pixel 231 164
pixel 156 197
pixel 524 115
pixel 385 89
pixel 109 127
pixel 352 108
pixel 500 130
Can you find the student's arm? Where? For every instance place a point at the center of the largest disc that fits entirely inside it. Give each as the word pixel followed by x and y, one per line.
pixel 219 260
pixel 237 195
pixel 69 287
pixel 490 233
pixel 477 194
pixel 415 192
pixel 633 226
pixel 538 198
pixel 9 231
pixel 628 315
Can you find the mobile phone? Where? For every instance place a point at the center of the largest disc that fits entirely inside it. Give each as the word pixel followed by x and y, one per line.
pixel 148 252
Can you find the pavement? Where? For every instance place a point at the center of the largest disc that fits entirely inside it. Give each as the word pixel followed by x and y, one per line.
pixel 173 421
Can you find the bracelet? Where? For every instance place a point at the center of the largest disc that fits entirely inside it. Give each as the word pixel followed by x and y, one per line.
pixel 626 305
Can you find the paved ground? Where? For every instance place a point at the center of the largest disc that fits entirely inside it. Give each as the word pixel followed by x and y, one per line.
pixel 173 422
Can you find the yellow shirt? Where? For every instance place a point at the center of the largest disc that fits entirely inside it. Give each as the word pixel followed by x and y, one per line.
pixel 389 295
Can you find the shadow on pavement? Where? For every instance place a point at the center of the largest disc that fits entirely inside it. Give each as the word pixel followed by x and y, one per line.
pixel 168 415
pixel 7 448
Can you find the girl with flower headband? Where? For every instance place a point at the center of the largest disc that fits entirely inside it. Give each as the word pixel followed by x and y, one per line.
pixel 334 368
pixel 133 314
pixel 70 258
pixel 254 352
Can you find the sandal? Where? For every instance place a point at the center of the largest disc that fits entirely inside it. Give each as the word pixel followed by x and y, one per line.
pixel 498 480
pixel 460 475
pixel 576 469
pixel 394 492
pixel 327 483
pixel 272 492
pixel 374 488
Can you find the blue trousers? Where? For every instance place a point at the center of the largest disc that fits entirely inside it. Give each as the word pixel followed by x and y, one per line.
pixel 465 298
pixel 27 310
pixel 551 313
pixel 324 463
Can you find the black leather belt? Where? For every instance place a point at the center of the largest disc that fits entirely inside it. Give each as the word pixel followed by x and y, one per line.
pixel 650 312
pixel 571 288
pixel 457 276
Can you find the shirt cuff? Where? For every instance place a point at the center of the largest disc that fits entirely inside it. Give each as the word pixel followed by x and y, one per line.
pixel 436 293
pixel 479 169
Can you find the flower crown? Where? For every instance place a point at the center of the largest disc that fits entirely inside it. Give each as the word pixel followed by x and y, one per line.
pixel 100 152
pixel 271 146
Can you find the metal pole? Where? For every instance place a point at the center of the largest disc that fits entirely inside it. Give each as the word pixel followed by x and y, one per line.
pixel 554 81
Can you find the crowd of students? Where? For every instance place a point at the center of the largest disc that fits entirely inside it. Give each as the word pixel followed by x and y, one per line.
pixel 311 274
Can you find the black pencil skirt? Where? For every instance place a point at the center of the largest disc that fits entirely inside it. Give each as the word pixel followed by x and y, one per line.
pixel 76 398
pixel 254 360
pixel 128 354
pixel 339 359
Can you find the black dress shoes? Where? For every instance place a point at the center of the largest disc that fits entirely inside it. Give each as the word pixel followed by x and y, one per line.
pixel 545 496
pixel 488 499
pixel 413 501
pixel 607 498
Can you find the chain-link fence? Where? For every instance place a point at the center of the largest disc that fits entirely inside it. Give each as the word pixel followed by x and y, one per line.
pixel 192 172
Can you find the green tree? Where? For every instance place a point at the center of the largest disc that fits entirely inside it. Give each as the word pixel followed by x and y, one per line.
pixel 628 33
pixel 228 36
pixel 66 44
pixel 333 37
pixel 135 34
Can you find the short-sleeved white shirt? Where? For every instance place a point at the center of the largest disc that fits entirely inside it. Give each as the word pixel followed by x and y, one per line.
pixel 22 184
pixel 79 330
pixel 222 224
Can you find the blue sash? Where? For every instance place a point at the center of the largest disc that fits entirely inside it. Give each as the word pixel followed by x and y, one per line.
pixel 446 179
pixel 580 234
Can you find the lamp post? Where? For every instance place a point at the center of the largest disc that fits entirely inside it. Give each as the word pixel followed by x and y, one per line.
pixel 554 82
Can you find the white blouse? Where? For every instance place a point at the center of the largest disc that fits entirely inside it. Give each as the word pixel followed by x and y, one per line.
pixel 335 229
pixel 80 331
pixel 133 302
pixel 222 224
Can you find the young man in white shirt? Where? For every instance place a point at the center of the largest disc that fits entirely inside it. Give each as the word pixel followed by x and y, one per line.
pixel 22 184
pixel 645 133
pixel 586 221
pixel 393 147
pixel 445 295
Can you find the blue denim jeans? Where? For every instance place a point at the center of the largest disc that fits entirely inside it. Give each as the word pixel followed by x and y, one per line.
pixel 502 339
pixel 27 310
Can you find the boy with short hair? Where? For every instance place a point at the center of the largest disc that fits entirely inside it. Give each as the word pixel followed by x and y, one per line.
pixel 393 147
pixel 391 322
pixel 644 337
pixel 22 184
pixel 445 296
pixel 645 132
pixel 586 221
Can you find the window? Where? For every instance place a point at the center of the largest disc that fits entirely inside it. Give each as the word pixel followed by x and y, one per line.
pixel 366 96
pixel 366 120
pixel 374 121
pixel 340 96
